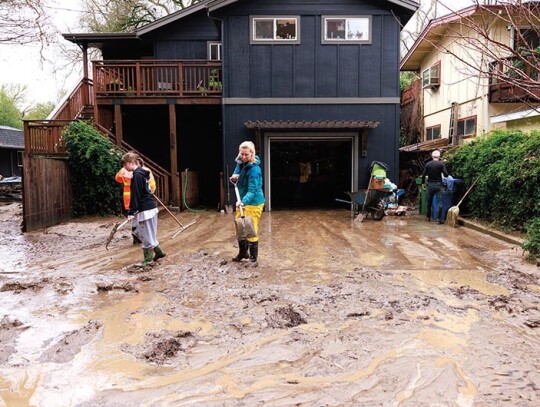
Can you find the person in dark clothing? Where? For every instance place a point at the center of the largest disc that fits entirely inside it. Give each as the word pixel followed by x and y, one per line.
pixel 143 208
pixel 434 171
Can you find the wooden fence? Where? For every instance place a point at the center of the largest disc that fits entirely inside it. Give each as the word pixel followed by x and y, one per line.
pixel 50 199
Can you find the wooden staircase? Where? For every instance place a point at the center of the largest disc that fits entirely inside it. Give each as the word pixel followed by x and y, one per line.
pixel 44 137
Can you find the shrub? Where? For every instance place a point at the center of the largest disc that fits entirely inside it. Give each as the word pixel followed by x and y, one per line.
pixel 532 242
pixel 93 162
pixel 508 166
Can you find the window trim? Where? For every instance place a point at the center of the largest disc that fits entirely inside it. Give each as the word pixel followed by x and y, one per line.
pixel 437 126
pixel 325 40
pixel 515 34
pixel 20 158
pixel 430 84
pixel 209 46
pixel 274 41
pixel 463 120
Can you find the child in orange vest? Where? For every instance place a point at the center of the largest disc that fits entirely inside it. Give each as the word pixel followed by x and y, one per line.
pixel 124 177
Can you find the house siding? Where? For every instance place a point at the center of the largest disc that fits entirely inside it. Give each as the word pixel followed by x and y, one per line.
pixel 187 38
pixel 313 70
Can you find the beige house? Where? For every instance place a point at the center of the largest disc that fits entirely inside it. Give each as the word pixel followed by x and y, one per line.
pixel 467 63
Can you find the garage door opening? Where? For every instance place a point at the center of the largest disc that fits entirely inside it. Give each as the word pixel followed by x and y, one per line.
pixel 310 173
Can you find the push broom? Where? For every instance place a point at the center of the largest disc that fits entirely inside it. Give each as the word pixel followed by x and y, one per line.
pixel 453 212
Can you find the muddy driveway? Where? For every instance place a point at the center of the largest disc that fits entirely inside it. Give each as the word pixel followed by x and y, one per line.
pixel 393 313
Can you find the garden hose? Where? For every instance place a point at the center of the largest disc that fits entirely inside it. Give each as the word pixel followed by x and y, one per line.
pixel 184 195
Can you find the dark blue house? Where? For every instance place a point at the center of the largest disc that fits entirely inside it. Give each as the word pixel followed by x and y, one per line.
pixel 11 151
pixel 314 83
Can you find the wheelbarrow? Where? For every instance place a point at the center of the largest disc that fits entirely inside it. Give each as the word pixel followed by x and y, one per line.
pixel 369 201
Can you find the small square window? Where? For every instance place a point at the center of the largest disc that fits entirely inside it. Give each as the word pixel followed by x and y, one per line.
pixel 214 51
pixel 275 30
pixel 346 30
pixel 433 133
pixel 431 77
pixel 466 127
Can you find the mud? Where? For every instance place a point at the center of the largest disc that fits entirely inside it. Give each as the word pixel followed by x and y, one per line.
pixel 335 313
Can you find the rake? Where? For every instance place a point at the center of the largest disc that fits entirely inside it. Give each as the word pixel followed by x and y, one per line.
pixel 182 227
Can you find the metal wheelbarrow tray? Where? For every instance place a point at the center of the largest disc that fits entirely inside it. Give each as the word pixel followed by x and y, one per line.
pixel 373 205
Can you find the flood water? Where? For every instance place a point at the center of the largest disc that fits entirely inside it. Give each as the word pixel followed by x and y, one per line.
pixel 398 312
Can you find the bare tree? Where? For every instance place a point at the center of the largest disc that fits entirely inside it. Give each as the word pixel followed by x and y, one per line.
pixel 23 22
pixel 126 15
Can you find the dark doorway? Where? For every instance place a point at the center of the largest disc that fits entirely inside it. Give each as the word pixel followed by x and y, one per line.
pixel 309 173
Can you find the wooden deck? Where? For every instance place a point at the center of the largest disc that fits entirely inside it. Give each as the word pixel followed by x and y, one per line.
pixel 157 81
pixel 512 80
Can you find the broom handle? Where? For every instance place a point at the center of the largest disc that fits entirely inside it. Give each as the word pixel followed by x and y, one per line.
pixel 239 200
pixel 170 213
pixel 469 190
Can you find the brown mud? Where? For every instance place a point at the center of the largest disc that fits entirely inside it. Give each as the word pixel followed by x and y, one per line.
pixel 399 312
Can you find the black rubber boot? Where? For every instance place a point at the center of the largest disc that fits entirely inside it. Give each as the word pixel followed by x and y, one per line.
pixel 242 251
pixel 159 254
pixel 253 251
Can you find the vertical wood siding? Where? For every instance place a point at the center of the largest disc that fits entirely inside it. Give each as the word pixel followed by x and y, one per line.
pixel 47 192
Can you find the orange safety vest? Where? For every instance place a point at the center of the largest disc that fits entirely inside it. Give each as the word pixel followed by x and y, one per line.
pixel 124 177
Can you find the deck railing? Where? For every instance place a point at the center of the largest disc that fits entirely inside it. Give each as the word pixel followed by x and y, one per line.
pixel 72 104
pixel 46 138
pixel 513 80
pixel 157 78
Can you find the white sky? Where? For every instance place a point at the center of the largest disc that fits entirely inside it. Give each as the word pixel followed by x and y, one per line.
pixel 22 64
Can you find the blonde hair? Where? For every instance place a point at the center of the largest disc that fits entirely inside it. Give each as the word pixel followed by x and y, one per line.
pixel 251 147
pixel 130 158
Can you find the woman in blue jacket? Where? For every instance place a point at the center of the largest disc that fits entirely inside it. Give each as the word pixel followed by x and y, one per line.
pixel 248 177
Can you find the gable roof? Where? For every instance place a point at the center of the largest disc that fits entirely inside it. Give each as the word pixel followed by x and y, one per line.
pixel 408 4
pixel 434 32
pixel 97 40
pixel 11 138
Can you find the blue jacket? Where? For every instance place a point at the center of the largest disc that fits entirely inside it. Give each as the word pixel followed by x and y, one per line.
pixel 250 182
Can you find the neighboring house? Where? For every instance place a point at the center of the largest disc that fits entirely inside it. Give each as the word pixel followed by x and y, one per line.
pixel 314 84
pixel 463 91
pixel 11 151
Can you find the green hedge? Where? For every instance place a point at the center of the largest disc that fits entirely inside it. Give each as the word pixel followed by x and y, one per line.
pixel 507 193
pixel 93 162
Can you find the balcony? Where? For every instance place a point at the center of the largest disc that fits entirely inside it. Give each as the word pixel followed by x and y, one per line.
pixel 157 79
pixel 511 80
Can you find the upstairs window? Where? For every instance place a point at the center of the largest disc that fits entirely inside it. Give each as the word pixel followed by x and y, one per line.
pixel 433 133
pixel 214 51
pixel 431 77
pixel 466 127
pixel 275 30
pixel 526 38
pixel 346 30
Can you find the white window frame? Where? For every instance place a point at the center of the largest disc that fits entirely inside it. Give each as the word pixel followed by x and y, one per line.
pixel 366 34
pixel 429 78
pixel 275 19
pixel 464 121
pixel 430 130
pixel 210 45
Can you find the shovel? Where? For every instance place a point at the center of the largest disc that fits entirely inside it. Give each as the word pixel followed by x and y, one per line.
pixel 243 225
pixel 113 231
pixel 453 212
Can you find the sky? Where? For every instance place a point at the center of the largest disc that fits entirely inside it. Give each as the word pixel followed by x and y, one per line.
pixel 22 64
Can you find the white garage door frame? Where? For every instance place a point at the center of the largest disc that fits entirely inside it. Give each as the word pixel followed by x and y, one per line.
pixel 354 138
